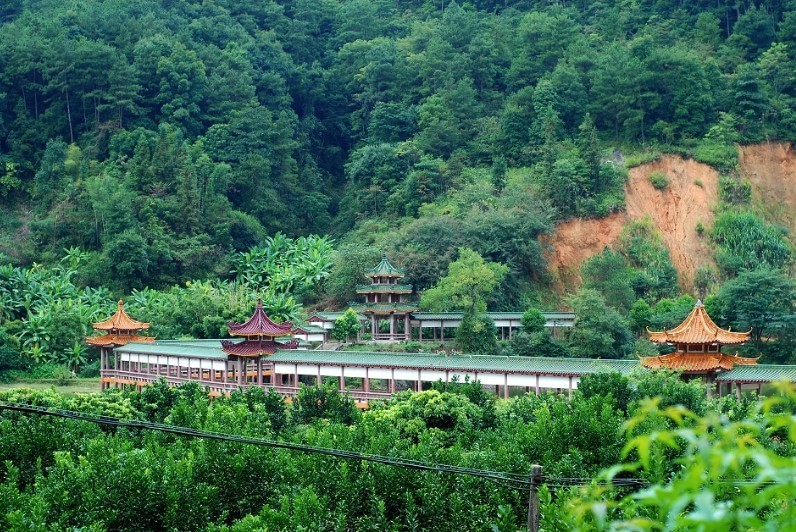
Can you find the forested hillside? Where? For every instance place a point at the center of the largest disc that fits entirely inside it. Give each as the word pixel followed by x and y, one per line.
pixel 159 143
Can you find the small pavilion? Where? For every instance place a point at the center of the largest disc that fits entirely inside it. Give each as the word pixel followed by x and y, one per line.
pixel 260 334
pixel 384 300
pixel 698 342
pixel 118 330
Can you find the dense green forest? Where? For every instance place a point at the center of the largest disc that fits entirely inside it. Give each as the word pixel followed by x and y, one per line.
pixel 170 152
pixel 192 156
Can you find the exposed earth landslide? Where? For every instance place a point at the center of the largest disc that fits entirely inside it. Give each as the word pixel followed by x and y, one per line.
pixel 677 210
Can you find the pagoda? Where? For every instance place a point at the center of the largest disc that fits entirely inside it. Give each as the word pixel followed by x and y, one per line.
pixel 120 329
pixel 698 342
pixel 384 300
pixel 260 333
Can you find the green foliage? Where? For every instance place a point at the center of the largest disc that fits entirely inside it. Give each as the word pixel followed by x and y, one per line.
pixel 599 331
pixel 533 321
pixel 669 313
pixel 608 274
pixel 607 384
pixel 346 325
pixel 723 157
pixel 640 316
pixel 761 300
pixel 735 191
pixel 654 275
pixel 324 402
pixel 670 390
pixel 441 415
pixel 476 334
pixel 727 476
pixel 469 281
pixel 58 472
pixel 348 264
pixel 283 264
pixel 746 242
pixel 659 180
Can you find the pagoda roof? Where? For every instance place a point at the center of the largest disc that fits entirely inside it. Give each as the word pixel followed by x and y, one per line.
pixel 385 308
pixel 384 269
pixel 253 348
pixel 698 328
pixel 115 340
pixel 260 324
pixel 696 362
pixel 120 322
pixel 384 288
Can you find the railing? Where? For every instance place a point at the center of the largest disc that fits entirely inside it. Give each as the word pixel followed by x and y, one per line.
pixel 134 377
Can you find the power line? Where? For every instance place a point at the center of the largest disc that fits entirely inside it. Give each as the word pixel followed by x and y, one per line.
pixel 509 480
pixel 512 480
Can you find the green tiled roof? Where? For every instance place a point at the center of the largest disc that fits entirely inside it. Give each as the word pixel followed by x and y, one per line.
pixel 559 366
pixel 334 316
pixel 565 316
pixel 384 308
pixel 759 373
pixel 384 288
pixel 384 268
pixel 186 348
pixel 458 315
pixel 183 348
pixel 310 328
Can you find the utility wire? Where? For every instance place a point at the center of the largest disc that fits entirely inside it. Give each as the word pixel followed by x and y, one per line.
pixel 512 480
pixel 509 480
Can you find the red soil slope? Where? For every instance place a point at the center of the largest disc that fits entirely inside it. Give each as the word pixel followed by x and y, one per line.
pixel 676 211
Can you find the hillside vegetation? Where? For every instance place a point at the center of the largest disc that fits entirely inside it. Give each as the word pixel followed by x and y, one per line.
pixel 184 151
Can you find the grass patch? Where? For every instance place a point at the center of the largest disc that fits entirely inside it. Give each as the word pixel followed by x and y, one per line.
pixel 74 387
pixel 659 180
pixel 643 157
pixel 722 156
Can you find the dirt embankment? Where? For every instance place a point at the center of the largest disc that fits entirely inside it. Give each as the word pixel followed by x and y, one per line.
pixel 677 210
pixel 771 169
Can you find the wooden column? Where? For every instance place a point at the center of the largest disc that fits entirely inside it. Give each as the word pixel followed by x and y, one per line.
pixel 738 390
pixel 373 326
pixel 259 370
pixel 709 383
pixel 392 326
pixel 442 331
pixel 407 328
pixel 506 386
pixel 537 384
pixel 570 386
pixel 240 371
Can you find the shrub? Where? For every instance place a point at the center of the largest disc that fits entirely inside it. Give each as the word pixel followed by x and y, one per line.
pixel 735 191
pixel 659 180
pixel 63 375
pixel 718 155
